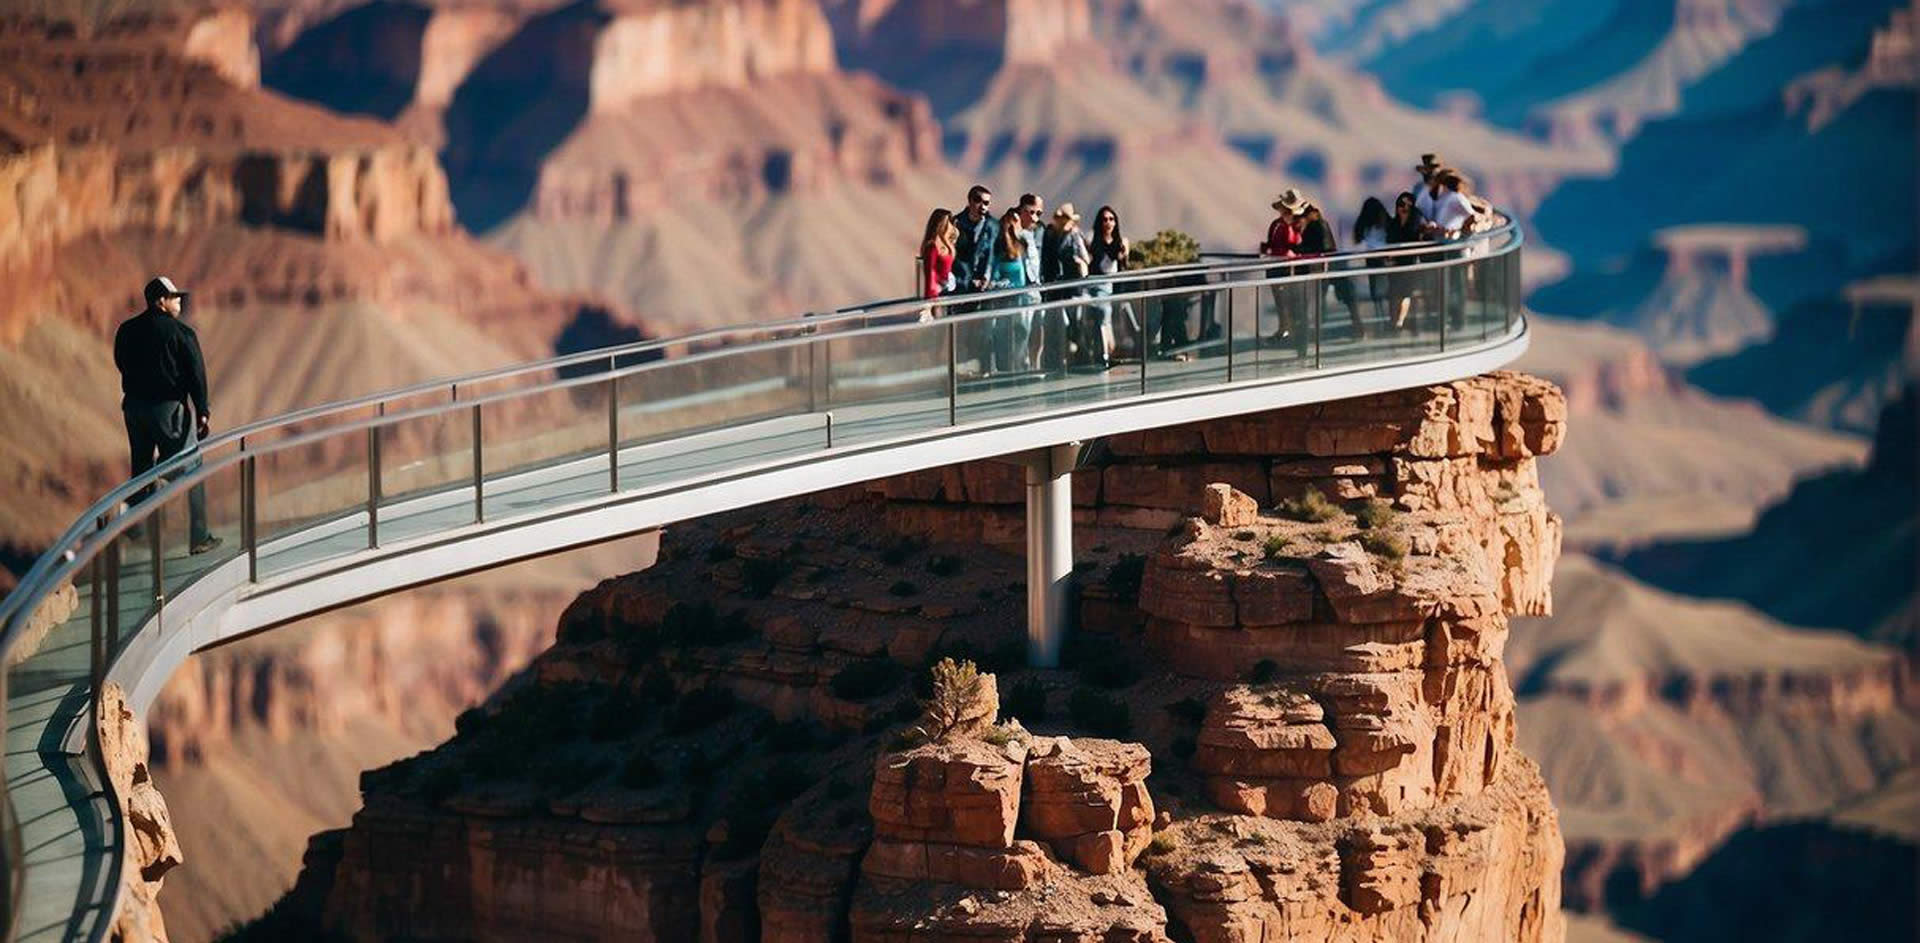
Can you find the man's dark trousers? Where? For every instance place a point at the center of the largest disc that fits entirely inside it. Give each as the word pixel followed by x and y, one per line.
pixel 157 432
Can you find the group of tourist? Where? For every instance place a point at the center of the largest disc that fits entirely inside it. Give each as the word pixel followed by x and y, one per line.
pixel 975 251
pixel 1439 209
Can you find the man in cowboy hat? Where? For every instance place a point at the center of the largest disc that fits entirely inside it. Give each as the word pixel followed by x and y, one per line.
pixel 163 385
pixel 1430 164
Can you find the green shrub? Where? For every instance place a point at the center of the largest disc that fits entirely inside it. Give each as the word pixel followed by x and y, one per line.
pixel 1161 844
pixel 866 679
pixel 641 771
pixel 1100 714
pixel 1264 671
pixel 999 735
pixel 1123 578
pixel 904 588
pixel 1026 700
pixel 700 708
pixel 1275 547
pixel 1311 507
pixel 1166 247
pixel 1386 544
pixel 1375 513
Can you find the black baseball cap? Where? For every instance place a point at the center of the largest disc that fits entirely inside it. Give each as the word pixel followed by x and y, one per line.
pixel 162 287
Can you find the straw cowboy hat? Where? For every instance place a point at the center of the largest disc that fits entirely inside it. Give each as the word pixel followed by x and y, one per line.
pixel 1290 200
pixel 1429 163
pixel 1066 212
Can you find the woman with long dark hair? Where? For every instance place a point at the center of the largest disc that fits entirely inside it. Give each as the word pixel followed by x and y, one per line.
pixel 1405 226
pixel 1108 250
pixel 1369 235
pixel 936 254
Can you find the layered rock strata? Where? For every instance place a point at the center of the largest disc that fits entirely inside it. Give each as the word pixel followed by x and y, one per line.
pixel 150 847
pixel 1319 743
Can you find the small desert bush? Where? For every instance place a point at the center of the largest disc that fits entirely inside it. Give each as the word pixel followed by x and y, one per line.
pixel 959 692
pixel 1386 544
pixel 1311 507
pixel 1275 547
pixel 1375 513
pixel 1264 670
pixel 1161 844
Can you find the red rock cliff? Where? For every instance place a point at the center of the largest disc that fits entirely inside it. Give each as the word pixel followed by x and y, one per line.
pixel 1308 725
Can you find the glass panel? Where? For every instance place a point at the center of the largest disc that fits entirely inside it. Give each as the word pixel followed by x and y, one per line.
pixel 890 383
pixel 215 503
pixel 1284 320
pixel 1190 347
pixel 52 795
pixel 543 449
pixel 426 475
pixel 1349 322
pixel 744 406
pixel 311 502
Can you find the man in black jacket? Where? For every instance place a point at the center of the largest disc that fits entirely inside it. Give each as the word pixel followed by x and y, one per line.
pixel 163 382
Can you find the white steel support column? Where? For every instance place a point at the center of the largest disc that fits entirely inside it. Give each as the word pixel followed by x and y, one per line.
pixel 1049 550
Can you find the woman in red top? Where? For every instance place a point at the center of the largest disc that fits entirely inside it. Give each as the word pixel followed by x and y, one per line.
pixel 936 254
pixel 1283 242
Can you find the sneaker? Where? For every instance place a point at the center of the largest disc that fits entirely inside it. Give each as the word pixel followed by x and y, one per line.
pixel 204 545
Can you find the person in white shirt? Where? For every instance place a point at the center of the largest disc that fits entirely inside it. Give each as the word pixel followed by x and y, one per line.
pixel 1423 194
pixel 1451 211
pixel 1452 217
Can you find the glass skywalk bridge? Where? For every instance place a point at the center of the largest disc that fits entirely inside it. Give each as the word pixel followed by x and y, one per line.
pixel 343 502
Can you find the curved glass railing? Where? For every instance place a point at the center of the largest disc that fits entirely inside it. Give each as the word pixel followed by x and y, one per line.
pixel 301 493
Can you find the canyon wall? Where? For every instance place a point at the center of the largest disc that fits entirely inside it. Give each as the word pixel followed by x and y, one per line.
pixel 1286 721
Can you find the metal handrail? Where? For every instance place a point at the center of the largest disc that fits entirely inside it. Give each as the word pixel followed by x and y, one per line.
pixel 110 504
pixel 107 520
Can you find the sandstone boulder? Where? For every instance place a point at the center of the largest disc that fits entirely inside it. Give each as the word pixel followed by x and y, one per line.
pixel 1088 799
pixel 1223 506
pixel 963 792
